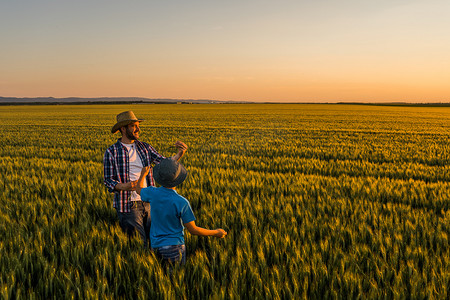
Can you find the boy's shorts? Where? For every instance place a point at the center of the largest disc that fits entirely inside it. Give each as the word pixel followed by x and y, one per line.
pixel 173 254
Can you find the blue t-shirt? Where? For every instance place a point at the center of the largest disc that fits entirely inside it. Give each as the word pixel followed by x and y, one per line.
pixel 169 211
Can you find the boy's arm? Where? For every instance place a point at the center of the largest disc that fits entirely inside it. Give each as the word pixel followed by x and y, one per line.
pixel 140 181
pixel 195 230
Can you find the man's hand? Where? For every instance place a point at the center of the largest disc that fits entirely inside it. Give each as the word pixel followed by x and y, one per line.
pixel 128 186
pixel 182 147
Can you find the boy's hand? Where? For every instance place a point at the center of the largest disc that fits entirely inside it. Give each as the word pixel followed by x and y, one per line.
pixel 220 233
pixel 140 181
pixel 145 171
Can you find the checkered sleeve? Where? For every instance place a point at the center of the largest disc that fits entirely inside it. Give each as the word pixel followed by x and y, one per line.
pixel 110 179
pixel 155 157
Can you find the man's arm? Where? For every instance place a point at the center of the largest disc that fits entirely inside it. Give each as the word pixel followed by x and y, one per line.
pixel 181 150
pixel 110 177
pixel 195 230
pixel 127 186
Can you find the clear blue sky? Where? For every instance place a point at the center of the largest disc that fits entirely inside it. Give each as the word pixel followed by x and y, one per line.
pixel 333 50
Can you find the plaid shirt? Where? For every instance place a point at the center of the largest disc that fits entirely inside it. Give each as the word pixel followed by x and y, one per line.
pixel 116 169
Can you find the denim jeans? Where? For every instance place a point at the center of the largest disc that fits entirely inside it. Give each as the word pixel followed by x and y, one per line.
pixel 172 254
pixel 137 220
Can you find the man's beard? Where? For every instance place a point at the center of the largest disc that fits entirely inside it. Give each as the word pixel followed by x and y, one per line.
pixel 130 135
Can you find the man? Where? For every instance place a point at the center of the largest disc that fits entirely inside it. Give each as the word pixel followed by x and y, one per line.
pixel 122 165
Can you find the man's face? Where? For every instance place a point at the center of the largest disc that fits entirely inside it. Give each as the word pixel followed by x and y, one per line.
pixel 132 131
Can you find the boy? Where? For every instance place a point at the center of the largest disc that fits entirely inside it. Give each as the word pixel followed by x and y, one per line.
pixel 169 211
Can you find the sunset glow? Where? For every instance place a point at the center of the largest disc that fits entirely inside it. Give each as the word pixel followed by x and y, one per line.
pixel 293 51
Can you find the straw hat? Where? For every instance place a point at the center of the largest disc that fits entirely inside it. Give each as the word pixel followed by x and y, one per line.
pixel 123 119
pixel 169 173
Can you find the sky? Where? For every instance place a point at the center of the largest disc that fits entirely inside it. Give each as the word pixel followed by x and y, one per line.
pixel 246 50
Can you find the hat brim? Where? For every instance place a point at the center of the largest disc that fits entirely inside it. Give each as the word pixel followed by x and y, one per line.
pixel 120 124
pixel 169 184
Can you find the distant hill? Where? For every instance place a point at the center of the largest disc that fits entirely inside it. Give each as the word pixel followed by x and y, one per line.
pixel 137 100
pixel 102 100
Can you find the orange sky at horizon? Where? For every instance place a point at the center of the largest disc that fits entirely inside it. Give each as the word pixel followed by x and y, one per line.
pixel 287 51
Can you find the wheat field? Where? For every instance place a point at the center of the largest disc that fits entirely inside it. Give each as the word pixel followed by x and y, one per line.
pixel 319 201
